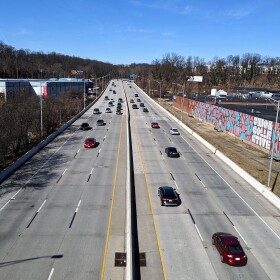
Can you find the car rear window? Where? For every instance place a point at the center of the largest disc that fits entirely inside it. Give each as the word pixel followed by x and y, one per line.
pixel 235 249
pixel 169 193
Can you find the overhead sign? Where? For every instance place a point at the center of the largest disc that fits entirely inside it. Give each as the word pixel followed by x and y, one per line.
pixel 195 79
pixel 132 76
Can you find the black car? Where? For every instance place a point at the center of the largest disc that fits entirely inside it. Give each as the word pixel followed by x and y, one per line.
pixel 136 95
pixel 145 110
pixel 114 92
pixel 118 112
pixel 168 196
pixel 138 100
pixel 134 106
pixel 172 152
pixel 142 105
pixel 100 123
pixel 120 100
pixel 85 126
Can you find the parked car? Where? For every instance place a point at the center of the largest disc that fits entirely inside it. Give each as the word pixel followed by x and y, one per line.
pixel 145 110
pixel 108 110
pixel 100 122
pixel 168 196
pixel 120 100
pixel 118 112
pixel 85 126
pixel 229 248
pixel 89 143
pixel 136 95
pixel 134 106
pixel 174 131
pixel 106 98
pixel 138 100
pixel 142 105
pixel 172 152
pixel 96 111
pixel 110 104
pixel 155 125
pixel 131 101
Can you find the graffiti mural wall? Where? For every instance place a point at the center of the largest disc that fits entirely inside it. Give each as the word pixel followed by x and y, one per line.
pixel 250 128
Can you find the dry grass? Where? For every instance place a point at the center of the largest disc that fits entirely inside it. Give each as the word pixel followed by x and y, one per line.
pixel 249 157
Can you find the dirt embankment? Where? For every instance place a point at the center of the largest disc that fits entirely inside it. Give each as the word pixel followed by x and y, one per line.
pixel 249 157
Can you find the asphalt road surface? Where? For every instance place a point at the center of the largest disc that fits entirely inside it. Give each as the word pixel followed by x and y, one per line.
pixel 63 214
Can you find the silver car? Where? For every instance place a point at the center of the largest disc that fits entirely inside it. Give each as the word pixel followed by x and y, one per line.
pixel 174 131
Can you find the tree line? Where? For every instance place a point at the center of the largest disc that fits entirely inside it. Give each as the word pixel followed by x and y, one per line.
pixel 248 70
pixel 20 116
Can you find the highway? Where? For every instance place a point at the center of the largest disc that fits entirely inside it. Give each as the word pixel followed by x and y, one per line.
pixel 63 214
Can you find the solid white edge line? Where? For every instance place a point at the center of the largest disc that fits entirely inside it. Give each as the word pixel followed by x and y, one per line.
pixel 51 273
pixel 5 205
pixel 91 170
pixel 198 232
pixel 64 171
pixel 235 192
pixel 13 197
pixel 79 150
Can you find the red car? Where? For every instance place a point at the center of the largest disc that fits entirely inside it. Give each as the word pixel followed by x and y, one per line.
pixel 89 143
pixel 229 248
pixel 154 125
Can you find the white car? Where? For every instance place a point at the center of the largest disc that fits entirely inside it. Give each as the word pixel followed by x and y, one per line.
pixel 108 110
pixel 174 131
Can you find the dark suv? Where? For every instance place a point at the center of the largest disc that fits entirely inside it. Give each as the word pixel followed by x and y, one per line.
pixel 172 152
pixel 168 196
pixel 85 126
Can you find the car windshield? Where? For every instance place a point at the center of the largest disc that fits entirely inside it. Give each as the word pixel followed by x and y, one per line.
pixel 90 140
pixel 175 129
pixel 85 124
pixel 173 150
pixel 235 249
pixel 169 193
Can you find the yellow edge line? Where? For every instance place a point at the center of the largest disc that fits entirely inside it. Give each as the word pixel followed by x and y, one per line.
pixel 111 209
pixel 151 205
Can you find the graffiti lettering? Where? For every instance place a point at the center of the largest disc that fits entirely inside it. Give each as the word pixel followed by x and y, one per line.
pixel 261 141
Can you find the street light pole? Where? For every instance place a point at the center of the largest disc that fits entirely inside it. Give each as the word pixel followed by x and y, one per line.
pixel 273 144
pixel 41 109
pixel 84 93
pixel 182 99
pixel 182 107
pixel 159 88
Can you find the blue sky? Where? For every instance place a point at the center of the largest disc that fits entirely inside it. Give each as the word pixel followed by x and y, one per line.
pixel 128 31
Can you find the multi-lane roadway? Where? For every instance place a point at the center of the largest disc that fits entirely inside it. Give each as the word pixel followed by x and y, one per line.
pixel 63 215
